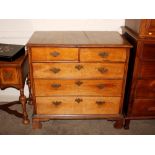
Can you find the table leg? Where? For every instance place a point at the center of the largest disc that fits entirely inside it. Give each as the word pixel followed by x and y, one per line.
pixel 29 87
pixel 22 100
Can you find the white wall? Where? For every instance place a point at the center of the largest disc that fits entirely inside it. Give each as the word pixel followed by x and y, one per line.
pixel 19 31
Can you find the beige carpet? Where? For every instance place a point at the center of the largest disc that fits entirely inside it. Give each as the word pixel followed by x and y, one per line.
pixel 12 125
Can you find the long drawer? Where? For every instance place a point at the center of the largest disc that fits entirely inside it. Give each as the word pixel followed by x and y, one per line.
pixel 147 70
pixel 78 105
pixel 103 54
pixel 78 70
pixel 143 107
pixel 54 54
pixel 147 52
pixel 78 87
pixel 145 89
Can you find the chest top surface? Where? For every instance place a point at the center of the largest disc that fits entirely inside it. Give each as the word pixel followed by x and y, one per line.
pixel 78 39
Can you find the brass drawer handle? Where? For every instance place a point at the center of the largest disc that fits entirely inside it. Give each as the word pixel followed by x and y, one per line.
pixel 79 83
pixel 55 70
pixel 55 54
pixel 7 75
pixel 104 54
pixel 56 85
pixel 56 103
pixel 79 67
pixel 100 86
pixel 78 100
pixel 100 102
pixel 103 70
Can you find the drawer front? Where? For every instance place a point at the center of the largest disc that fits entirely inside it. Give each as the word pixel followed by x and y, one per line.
pixel 102 54
pixel 78 70
pixel 78 87
pixel 148 51
pixel 54 54
pixel 78 105
pixel 145 107
pixel 9 75
pixel 147 70
pixel 145 89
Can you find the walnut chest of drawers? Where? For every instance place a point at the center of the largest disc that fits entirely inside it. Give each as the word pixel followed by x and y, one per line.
pixel 78 75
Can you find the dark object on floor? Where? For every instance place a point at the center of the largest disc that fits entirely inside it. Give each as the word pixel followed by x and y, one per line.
pixel 10 52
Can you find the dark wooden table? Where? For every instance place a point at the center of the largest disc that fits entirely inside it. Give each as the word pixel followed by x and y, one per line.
pixel 13 74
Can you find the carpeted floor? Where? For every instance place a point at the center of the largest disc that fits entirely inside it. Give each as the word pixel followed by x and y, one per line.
pixel 12 125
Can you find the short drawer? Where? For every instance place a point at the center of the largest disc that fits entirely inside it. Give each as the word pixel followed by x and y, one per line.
pixel 147 70
pixel 103 54
pixel 78 105
pixel 54 54
pixel 78 70
pixel 145 89
pixel 143 107
pixel 9 75
pixel 148 51
pixel 78 87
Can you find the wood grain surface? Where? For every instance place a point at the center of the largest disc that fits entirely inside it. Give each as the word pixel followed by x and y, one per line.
pixel 78 70
pixel 70 87
pixel 78 39
pixel 68 105
pixel 54 54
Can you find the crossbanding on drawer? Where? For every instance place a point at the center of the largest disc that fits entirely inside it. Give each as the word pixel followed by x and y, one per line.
pixel 54 54
pixel 78 105
pixel 78 70
pixel 78 87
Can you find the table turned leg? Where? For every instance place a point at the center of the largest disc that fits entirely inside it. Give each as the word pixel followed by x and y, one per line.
pixel 29 87
pixel 22 100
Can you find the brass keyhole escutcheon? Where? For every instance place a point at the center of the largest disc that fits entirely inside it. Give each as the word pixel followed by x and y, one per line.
pixel 79 67
pixel 78 100
pixel 79 83
pixel 56 103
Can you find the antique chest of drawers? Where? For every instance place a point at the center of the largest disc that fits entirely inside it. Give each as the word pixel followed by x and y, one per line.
pixel 140 91
pixel 78 75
